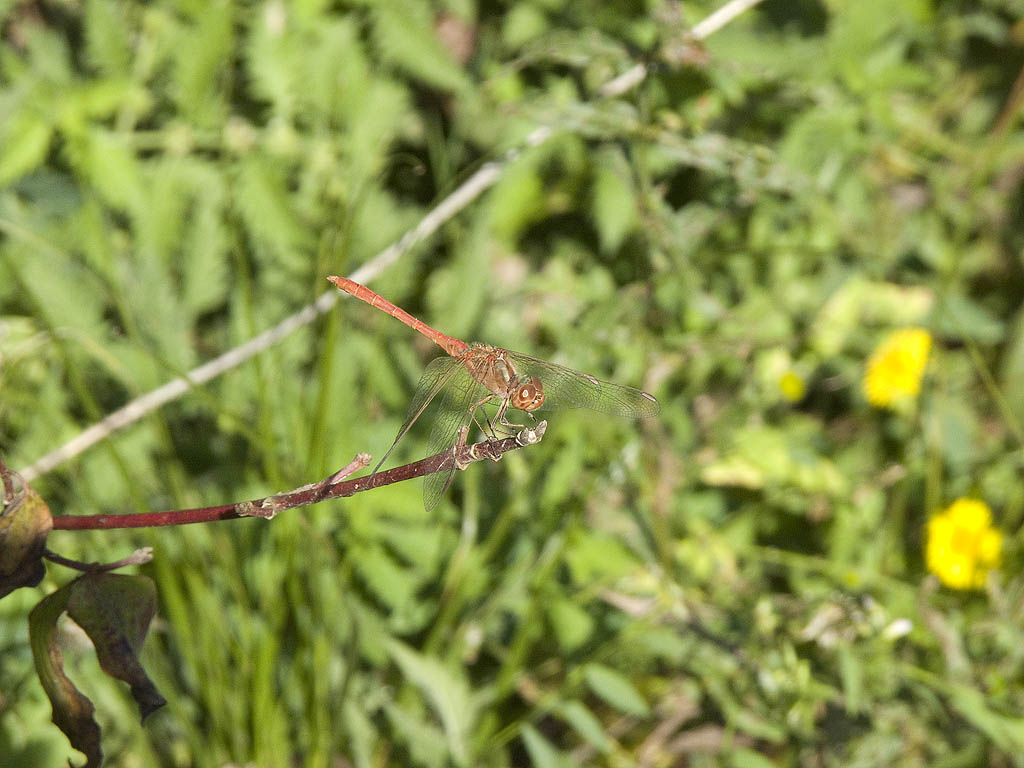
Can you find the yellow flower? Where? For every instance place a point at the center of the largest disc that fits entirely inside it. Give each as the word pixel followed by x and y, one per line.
pixel 962 544
pixel 792 386
pixel 895 368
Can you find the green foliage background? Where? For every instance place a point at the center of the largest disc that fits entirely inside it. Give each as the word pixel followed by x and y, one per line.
pixel 723 585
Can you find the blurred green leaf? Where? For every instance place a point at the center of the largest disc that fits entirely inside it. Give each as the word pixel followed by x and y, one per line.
pixel 361 732
pixel 764 457
pixel 200 56
pixel 1012 373
pixel 25 141
pixel 963 318
pixel 107 43
pixel 542 753
pixel 386 578
pixel 517 198
pixel 850 669
pixel 106 161
pixel 1007 732
pixel 748 758
pixel 403 33
pixel 427 743
pixel 447 692
pixel 614 211
pixel 524 22
pixel 594 557
pixel 586 724
pixel 571 623
pixel 266 210
pixel 204 266
pixel 616 690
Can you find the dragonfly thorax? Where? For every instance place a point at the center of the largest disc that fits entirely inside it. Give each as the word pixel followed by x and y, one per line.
pixel 492 368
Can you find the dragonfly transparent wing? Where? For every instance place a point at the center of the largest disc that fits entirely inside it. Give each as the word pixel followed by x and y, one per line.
pixel 434 379
pixel 454 411
pixel 565 388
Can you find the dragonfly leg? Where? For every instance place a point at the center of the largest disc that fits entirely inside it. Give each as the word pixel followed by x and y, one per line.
pixel 499 418
pixel 488 426
pixel 485 425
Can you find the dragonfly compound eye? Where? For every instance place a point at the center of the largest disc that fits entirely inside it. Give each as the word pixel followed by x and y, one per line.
pixel 529 396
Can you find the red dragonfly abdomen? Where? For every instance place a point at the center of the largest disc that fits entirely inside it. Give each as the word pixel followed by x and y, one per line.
pixel 454 347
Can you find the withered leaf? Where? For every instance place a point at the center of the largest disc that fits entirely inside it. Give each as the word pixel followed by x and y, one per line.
pixel 115 611
pixel 72 712
pixel 25 522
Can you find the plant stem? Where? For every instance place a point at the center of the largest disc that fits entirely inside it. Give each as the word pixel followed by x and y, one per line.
pixel 329 488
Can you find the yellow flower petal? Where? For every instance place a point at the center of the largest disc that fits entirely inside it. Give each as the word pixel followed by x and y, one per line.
pixel 896 367
pixel 962 546
pixel 970 514
pixel 792 386
pixel 990 546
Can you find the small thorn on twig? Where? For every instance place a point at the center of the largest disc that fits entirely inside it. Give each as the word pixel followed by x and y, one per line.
pixel 268 507
pixel 361 460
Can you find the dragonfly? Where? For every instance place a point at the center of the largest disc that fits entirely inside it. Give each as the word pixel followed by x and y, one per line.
pixel 477 374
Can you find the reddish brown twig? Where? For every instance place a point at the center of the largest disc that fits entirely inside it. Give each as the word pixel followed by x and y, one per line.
pixel 330 488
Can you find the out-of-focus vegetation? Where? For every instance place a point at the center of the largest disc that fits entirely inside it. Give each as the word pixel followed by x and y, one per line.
pixel 742 581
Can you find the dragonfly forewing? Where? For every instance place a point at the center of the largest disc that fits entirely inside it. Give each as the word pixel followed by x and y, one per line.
pixel 565 388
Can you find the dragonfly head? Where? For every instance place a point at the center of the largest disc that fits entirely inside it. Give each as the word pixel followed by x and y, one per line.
pixel 528 395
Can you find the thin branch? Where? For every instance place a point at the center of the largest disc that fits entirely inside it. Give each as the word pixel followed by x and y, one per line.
pixel 628 80
pixel 721 17
pixel 484 178
pixel 138 557
pixel 330 488
pixel 636 74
